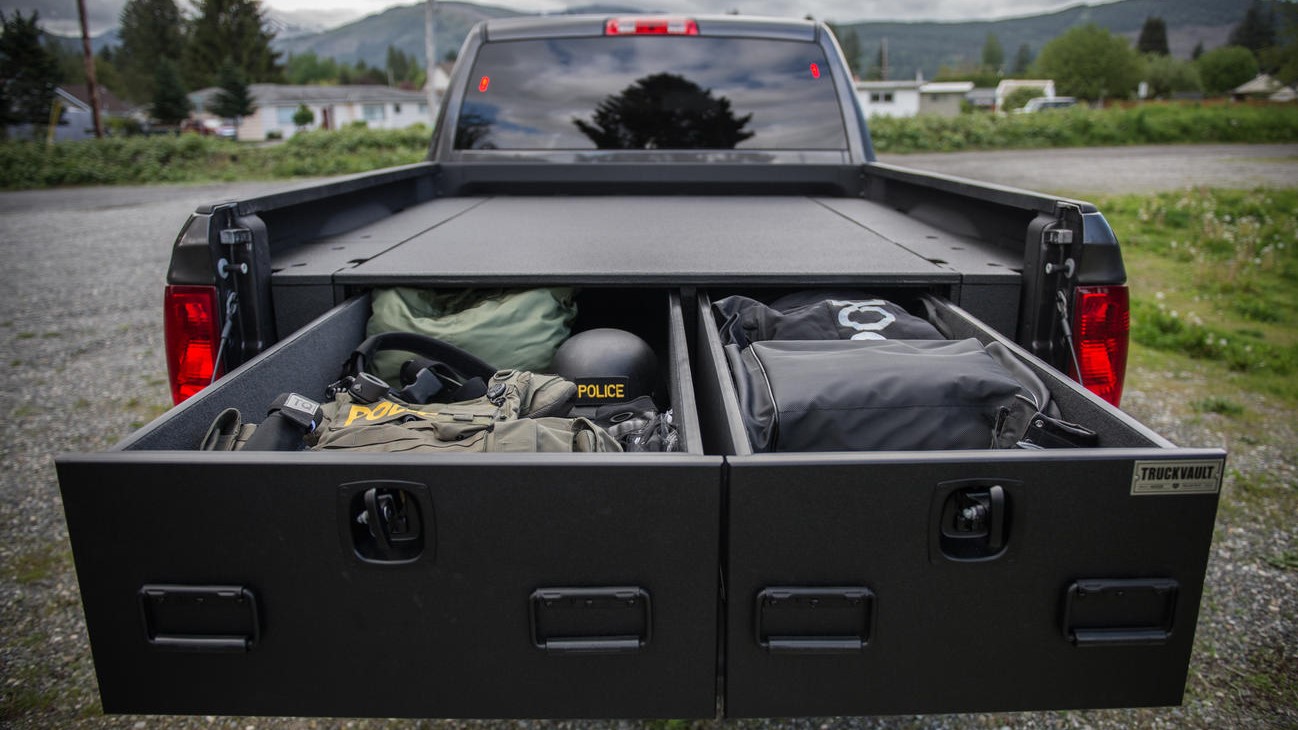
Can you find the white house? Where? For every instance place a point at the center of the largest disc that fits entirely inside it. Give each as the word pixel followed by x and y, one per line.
pixel 1264 86
pixel 911 98
pixel 332 107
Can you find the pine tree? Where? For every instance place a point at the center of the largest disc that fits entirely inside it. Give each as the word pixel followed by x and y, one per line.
pixel 233 32
pixel 1153 37
pixel 1198 51
pixel 170 103
pixel 303 116
pixel 28 73
pixel 1256 31
pixel 233 100
pixel 151 31
pixel 850 43
pixel 993 53
pixel 1022 59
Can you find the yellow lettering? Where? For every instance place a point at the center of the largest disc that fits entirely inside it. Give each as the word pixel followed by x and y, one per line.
pixel 358 412
pixel 602 391
pixel 377 412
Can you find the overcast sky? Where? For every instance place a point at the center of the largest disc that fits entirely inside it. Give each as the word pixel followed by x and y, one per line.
pixel 60 16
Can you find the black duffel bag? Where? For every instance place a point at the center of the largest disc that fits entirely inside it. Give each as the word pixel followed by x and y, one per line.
pixel 883 395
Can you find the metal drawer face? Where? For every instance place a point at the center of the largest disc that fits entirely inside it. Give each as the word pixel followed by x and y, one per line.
pixel 560 585
pixel 955 581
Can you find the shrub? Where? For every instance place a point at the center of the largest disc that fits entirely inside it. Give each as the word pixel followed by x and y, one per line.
pixel 1222 69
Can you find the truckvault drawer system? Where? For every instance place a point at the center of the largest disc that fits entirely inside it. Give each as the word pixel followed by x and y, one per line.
pixel 655 165
pixel 552 585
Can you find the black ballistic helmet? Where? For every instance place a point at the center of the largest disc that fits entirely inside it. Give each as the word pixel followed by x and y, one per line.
pixel 608 365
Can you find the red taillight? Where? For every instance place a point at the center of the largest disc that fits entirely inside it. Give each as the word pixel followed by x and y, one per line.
pixel 193 336
pixel 651 26
pixel 815 71
pixel 1101 322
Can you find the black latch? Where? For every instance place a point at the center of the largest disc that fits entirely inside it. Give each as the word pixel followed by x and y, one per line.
pixel 386 521
pixel 973 521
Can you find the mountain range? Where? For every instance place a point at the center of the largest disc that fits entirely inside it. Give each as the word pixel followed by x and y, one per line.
pixel 913 47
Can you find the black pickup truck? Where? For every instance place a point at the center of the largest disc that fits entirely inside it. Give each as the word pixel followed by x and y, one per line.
pixel 656 165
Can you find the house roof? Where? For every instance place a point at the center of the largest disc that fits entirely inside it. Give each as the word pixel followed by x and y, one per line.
pixel 108 102
pixel 947 87
pixel 285 94
pixel 887 85
pixel 1260 84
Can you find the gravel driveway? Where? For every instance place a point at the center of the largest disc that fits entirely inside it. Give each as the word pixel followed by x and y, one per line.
pixel 80 329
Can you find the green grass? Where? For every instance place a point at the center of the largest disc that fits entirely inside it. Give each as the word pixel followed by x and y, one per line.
pixel 36 566
pixel 1214 276
pixel 190 158
pixel 1081 127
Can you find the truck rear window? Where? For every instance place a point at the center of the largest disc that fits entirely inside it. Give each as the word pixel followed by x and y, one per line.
pixel 650 93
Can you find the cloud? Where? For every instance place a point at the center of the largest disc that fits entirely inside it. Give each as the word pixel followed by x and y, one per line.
pixel 60 16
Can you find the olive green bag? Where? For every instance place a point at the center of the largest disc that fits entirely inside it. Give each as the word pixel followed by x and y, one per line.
pixel 518 329
pixel 518 414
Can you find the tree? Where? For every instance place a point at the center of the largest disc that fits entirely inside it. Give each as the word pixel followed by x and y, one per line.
pixel 1167 76
pixel 170 103
pixel 229 32
pixel 402 67
pixel 1256 31
pixel 1222 69
pixel 1091 63
pixel 665 112
pixel 1022 59
pixel 993 53
pixel 151 31
pixel 28 73
pixel 303 116
pixel 981 76
pixel 878 71
pixel 850 43
pixel 1017 98
pixel 233 100
pixel 1282 60
pixel 1153 37
pixel 1198 51
pixel 307 68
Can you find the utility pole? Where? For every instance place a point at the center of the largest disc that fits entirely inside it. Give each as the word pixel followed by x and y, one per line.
pixel 430 61
pixel 91 83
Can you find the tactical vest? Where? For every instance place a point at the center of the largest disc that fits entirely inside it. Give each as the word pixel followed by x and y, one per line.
pixel 515 415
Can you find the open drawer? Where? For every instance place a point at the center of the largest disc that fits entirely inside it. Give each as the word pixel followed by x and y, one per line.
pixel 850 588
pixel 580 585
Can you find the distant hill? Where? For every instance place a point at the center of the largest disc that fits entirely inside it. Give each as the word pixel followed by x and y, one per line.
pixel 912 46
pixel 928 46
pixel 402 27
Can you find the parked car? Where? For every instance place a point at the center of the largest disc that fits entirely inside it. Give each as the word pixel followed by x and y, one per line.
pixel 1043 103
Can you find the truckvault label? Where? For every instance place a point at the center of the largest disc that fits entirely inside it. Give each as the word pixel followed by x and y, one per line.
pixel 1177 477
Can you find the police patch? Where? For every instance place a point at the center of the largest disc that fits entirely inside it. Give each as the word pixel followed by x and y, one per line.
pixel 598 391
